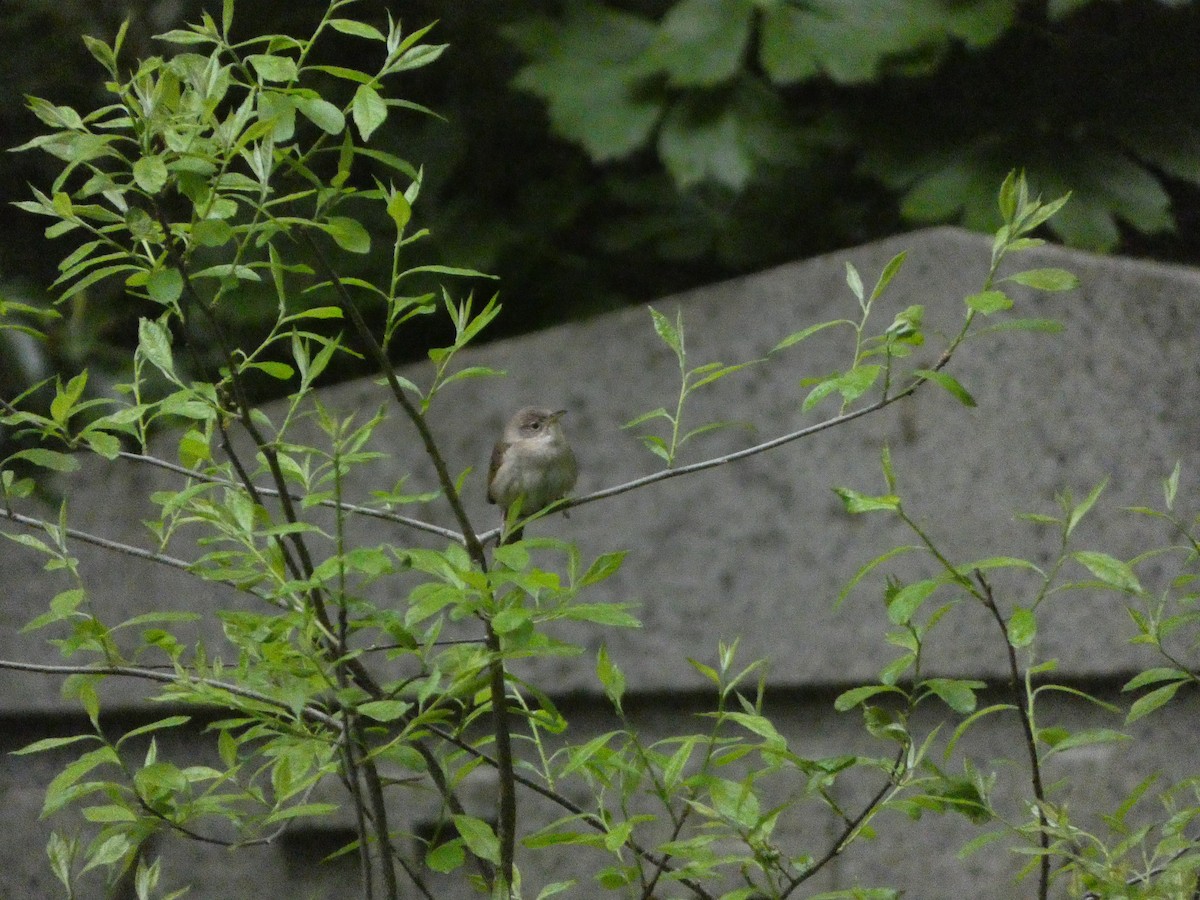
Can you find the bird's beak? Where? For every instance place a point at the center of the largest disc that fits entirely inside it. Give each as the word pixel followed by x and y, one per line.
pixel 557 414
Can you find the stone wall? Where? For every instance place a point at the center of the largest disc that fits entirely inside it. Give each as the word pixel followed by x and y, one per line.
pixel 756 550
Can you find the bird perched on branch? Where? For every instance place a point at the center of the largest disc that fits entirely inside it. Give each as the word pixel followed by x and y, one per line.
pixel 532 462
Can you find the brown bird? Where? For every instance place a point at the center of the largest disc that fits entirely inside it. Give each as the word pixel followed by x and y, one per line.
pixel 532 462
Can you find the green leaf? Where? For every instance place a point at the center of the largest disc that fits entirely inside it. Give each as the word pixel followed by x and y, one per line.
pixel 1171 485
pixel 344 73
pixel 713 372
pixel 154 343
pixel 853 697
pixel 150 174
pixel 956 693
pixel 66 397
pixel 274 68
pixel 601 613
pixel 591 70
pixel 988 302
pixel 1045 279
pixel 1155 675
pixel 889 272
pixel 52 744
pixel 611 677
pixel 553 888
pixel 317 312
pixel 301 810
pixel 212 232
pixel 851 385
pixel 1148 703
pixel 670 334
pixel 446 856
pixel 511 619
pixel 369 110
pixel 950 383
pixel 659 413
pixel 854 282
pixel 279 370
pixel 855 502
pixel 399 210
pixel 358 29
pixel 348 233
pixel 164 285
pixel 1081 510
pixel 108 852
pixel 479 837
pixel 1110 570
pixel 701 43
pixel 604 567
pixel 384 710
pixel 169 722
pixel 869 567
pixel 1087 738
pixel 321 113
pixel 48 459
pixel 1022 627
pixel 906 601
pixel 798 336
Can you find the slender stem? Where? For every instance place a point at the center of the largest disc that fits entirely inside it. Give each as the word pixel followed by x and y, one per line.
pixel 379 819
pixel 1022 706
pixel 507 819
pixel 745 452
pixel 417 524
pixel 496 670
pixel 852 826
pixel 354 787
pixel 312 713
pixel 380 358
pixel 116 546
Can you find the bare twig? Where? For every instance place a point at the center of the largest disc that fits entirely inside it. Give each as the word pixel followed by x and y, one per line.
pixel 107 543
pixel 1019 701
pixel 852 825
pixel 384 515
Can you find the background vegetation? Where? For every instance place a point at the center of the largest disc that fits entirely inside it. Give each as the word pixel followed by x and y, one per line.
pixel 241 176
pixel 595 154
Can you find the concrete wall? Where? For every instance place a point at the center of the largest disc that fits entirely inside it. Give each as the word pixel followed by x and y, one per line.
pixel 759 550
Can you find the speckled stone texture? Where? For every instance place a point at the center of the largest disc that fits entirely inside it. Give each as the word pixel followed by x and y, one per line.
pixel 759 550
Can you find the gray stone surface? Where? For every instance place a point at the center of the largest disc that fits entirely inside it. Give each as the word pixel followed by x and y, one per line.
pixel 760 549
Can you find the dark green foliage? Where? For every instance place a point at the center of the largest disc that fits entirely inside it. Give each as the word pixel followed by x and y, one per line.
pixel 597 153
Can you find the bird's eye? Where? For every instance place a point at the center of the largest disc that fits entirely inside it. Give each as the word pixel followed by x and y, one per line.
pixel 535 425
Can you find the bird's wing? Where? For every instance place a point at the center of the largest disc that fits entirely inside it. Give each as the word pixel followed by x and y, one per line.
pixel 497 458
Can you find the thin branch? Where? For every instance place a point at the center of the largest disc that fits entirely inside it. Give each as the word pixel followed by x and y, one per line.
pixel 380 358
pixel 737 455
pixel 416 524
pixel 498 676
pixel 370 774
pixel 852 825
pixel 107 543
pixel 312 713
pixel 1035 769
pixel 507 813
pixel 590 819
pixel 354 788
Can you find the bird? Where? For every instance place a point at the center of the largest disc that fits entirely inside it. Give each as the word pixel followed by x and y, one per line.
pixel 531 463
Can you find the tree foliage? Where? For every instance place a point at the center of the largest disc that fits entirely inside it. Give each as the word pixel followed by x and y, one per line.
pixel 245 165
